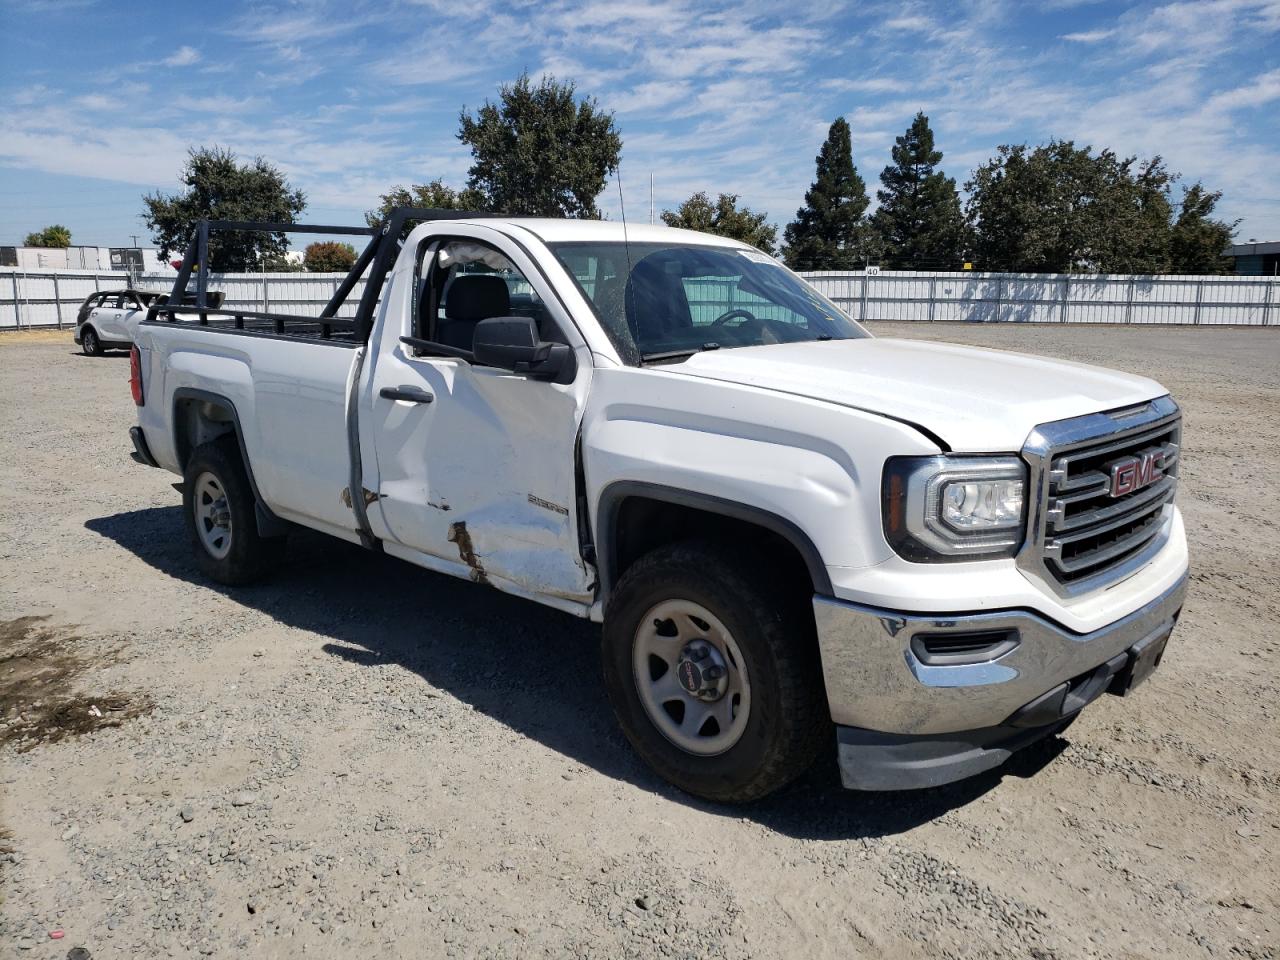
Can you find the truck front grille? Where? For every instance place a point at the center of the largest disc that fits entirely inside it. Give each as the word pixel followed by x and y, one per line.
pixel 1107 484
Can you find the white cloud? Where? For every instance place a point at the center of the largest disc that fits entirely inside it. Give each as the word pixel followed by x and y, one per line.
pixel 908 23
pixel 183 57
pixel 214 104
pixel 1089 36
pixel 1255 93
pixel 871 85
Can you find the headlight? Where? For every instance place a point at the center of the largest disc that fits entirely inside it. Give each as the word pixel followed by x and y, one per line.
pixel 939 509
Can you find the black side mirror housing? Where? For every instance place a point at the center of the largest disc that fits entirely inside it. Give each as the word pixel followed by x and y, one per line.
pixel 512 343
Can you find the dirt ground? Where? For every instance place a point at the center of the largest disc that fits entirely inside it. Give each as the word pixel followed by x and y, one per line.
pixel 364 759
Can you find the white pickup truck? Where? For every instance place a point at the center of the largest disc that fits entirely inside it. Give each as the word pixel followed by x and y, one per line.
pixel 796 535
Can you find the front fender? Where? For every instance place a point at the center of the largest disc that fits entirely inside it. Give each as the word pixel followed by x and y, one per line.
pixel 812 466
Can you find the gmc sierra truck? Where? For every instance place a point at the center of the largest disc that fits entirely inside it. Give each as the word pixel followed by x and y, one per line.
pixel 795 535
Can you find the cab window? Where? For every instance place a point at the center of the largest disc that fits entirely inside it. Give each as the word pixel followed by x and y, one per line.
pixel 462 282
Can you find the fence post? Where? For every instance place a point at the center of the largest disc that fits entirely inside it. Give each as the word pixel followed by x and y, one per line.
pixel 1066 297
pixel 1195 320
pixel 1266 303
pixel 866 280
pixel 17 313
pixel 57 300
pixel 1128 303
pixel 933 286
pixel 999 293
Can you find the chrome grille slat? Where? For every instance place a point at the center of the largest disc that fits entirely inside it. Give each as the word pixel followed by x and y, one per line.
pixel 1139 500
pixel 1116 550
pixel 1082 537
pixel 1127 444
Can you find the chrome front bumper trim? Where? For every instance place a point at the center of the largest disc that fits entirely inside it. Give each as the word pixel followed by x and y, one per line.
pixel 876 682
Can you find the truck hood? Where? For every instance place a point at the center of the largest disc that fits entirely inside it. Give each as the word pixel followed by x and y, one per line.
pixel 977 400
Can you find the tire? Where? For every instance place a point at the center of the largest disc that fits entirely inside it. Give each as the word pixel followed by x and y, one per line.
pixel 221 517
pixel 786 717
pixel 90 342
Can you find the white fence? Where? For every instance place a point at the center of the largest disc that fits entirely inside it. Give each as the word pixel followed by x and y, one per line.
pixel 50 298
pixel 1053 298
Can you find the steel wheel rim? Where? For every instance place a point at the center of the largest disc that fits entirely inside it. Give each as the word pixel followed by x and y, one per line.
pixel 89 340
pixel 665 631
pixel 212 515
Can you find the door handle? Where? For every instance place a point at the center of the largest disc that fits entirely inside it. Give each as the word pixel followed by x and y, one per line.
pixel 411 394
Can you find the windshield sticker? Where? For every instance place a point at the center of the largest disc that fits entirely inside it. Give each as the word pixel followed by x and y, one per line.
pixel 755 256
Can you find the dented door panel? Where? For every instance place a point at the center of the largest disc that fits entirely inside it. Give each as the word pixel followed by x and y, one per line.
pixel 484 474
pixel 482 477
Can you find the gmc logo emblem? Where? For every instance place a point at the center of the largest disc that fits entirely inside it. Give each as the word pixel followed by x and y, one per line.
pixel 1134 473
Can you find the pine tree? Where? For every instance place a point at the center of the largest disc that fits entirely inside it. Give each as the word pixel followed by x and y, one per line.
pixel 918 221
pixel 830 231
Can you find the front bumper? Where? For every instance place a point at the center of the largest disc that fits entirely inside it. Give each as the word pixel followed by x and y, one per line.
pixel 944 721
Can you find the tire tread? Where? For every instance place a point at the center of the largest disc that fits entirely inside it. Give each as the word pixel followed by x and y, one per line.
pixel 803 724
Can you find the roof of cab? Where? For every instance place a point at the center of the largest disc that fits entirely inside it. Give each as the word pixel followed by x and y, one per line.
pixel 606 231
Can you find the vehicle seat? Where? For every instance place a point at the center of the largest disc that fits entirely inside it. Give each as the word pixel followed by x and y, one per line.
pixel 471 297
pixel 655 300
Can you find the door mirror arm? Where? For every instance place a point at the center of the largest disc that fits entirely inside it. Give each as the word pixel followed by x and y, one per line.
pixel 432 348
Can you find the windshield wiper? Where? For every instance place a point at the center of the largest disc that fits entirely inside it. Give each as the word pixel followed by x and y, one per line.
pixel 677 354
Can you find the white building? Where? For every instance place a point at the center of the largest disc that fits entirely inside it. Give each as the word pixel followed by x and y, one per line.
pixel 137 259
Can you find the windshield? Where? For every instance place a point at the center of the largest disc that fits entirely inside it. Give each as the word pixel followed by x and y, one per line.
pixel 668 301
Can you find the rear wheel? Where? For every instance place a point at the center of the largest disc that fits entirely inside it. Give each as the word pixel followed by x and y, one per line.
pixel 90 342
pixel 221 516
pixel 713 673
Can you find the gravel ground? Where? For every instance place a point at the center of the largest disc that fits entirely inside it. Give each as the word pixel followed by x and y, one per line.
pixel 365 759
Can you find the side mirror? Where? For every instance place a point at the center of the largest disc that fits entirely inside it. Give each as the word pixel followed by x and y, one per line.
pixel 512 343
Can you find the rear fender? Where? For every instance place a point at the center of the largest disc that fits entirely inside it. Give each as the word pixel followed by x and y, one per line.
pixel 201 416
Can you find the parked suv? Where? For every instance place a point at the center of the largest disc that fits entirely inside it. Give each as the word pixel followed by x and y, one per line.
pixel 109 319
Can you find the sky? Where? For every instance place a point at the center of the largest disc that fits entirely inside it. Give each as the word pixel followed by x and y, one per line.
pixel 99 101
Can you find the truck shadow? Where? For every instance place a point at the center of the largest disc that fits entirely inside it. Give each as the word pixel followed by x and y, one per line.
pixel 529 667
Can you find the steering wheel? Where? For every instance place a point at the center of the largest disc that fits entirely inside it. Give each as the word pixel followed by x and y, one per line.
pixel 724 318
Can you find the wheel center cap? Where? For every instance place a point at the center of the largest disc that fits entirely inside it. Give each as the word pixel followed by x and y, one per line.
pixel 701 671
pixel 690 676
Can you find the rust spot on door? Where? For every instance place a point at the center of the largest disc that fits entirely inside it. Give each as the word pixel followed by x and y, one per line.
pixel 459 534
pixel 369 496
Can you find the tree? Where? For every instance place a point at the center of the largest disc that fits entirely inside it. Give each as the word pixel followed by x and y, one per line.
pixel 830 231
pixel 434 195
pixel 724 218
pixel 540 151
pixel 919 221
pixel 1198 241
pixel 221 188
pixel 55 235
pixel 1059 208
pixel 328 256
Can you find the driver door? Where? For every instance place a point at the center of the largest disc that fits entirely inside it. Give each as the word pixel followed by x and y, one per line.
pixel 475 465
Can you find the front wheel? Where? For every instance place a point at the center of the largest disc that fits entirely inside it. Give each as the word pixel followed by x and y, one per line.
pixel 221 516
pixel 713 672
pixel 90 342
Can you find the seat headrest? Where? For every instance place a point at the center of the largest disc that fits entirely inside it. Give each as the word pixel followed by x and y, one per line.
pixel 477 296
